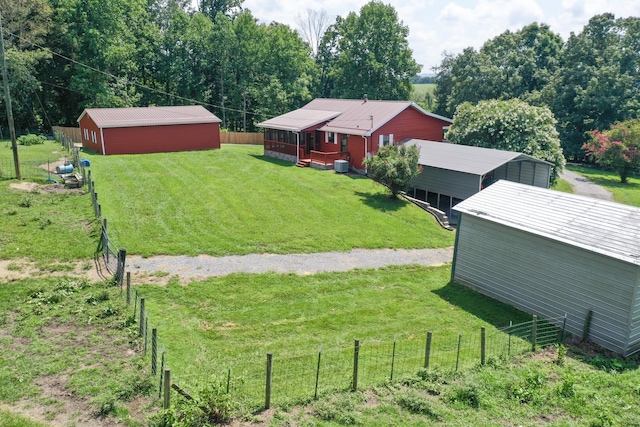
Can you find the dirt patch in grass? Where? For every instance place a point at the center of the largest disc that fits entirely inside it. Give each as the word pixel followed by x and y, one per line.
pixel 33 187
pixel 16 269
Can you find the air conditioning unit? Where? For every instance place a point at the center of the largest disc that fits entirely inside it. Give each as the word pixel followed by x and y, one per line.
pixel 341 166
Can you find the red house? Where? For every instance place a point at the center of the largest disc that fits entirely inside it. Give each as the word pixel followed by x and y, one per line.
pixel 149 129
pixel 326 130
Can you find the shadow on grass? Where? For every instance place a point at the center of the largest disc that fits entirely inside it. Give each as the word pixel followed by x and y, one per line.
pixel 272 160
pixel 381 202
pixel 492 311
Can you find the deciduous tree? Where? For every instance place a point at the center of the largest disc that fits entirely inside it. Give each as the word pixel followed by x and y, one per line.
pixel 617 149
pixel 394 166
pixel 510 125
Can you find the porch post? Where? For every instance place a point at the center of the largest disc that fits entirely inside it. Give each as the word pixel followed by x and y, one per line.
pixel 297 147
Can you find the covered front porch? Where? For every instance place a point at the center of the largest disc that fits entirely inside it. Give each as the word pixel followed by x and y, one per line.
pixel 302 155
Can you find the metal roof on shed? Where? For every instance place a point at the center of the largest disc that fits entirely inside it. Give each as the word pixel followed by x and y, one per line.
pixel 297 120
pixel 149 116
pixel 600 226
pixel 465 158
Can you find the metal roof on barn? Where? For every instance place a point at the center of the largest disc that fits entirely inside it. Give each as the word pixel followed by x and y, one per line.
pixel 465 158
pixel 604 227
pixel 149 116
pixel 353 116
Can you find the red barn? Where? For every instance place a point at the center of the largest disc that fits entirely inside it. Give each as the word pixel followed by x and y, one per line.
pixel 326 130
pixel 149 129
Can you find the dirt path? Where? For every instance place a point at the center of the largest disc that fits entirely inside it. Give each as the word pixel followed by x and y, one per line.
pixel 584 187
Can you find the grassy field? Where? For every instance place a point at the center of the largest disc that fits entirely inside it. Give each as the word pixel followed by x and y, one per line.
pixel 236 201
pixel 628 194
pixel 31 157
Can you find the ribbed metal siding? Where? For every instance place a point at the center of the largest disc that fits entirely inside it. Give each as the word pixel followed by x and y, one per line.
pixel 550 278
pixel 450 183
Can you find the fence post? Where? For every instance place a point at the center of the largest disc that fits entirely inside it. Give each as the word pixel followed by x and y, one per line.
pixel 161 372
pixel 315 394
pixel 564 325
pixel 458 353
pixel 122 257
pixel 154 351
pixel 167 388
pixel 427 352
pixel 135 305
pixel 356 358
pixel 228 379
pixel 146 334
pixel 393 358
pixel 587 325
pixel 534 333
pixel 509 348
pixel 141 325
pixel 483 345
pixel 267 394
pixel 105 240
pixel 128 288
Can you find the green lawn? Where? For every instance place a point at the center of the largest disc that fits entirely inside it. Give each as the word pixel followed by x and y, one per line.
pixel 236 201
pixel 31 157
pixel 628 194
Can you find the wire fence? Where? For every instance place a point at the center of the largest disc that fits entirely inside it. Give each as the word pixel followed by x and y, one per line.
pixel 260 381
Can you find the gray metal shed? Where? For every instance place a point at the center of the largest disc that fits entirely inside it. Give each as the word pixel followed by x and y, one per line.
pixel 551 253
pixel 452 173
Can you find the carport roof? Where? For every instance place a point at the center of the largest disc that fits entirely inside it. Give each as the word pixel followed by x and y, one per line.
pixel 149 116
pixel 600 226
pixel 465 158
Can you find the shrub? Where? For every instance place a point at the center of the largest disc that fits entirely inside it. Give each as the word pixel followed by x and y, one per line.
pixel 416 403
pixel 467 395
pixel 31 139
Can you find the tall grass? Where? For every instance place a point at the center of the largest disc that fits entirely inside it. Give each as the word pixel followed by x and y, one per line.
pixel 236 201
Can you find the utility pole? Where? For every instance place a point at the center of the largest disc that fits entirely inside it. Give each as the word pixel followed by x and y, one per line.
pixel 7 95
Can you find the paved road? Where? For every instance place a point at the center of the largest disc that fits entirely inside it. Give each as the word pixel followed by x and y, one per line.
pixel 206 266
pixel 584 187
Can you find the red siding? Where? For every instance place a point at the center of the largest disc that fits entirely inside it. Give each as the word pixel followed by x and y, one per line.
pixel 410 124
pixel 87 123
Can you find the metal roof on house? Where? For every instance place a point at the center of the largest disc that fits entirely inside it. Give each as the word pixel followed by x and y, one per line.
pixel 297 120
pixel 149 116
pixel 600 226
pixel 354 116
pixel 465 158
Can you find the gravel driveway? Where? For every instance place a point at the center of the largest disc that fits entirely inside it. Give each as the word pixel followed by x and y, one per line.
pixel 584 187
pixel 207 266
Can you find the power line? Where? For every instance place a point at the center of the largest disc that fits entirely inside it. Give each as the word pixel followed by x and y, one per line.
pixel 113 76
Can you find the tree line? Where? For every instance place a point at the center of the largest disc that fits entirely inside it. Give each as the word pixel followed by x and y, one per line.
pixel 67 55
pixel 589 82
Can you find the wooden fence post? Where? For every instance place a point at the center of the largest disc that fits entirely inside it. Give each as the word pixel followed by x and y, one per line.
pixel 483 345
pixel 458 353
pixel 427 352
pixel 356 358
pixel 167 388
pixel 315 394
pixel 267 394
pixel 128 288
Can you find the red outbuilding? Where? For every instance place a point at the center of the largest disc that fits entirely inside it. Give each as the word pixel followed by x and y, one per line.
pixel 149 129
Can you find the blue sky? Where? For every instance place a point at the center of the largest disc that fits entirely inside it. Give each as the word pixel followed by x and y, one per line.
pixel 438 26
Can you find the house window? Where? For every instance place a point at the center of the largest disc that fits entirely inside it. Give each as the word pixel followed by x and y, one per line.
pixel 343 143
pixel 86 134
pixel 94 137
pixel 386 140
pixel 331 137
